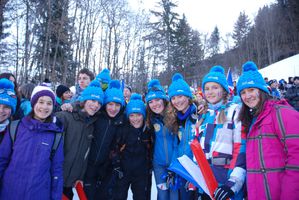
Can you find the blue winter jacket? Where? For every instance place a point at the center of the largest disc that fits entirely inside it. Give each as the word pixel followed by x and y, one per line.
pixel 165 143
pixel 26 171
pixel 275 93
pixel 187 133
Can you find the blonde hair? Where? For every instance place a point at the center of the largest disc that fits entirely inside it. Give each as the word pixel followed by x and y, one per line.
pixel 222 117
pixel 170 119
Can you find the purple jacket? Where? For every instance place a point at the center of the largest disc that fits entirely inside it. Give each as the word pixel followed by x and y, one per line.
pixel 272 153
pixel 26 171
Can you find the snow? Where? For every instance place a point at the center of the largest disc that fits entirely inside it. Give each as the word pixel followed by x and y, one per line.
pixel 283 69
pixel 130 196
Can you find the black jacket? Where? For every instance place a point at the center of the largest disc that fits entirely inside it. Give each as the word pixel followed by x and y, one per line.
pixel 292 96
pixel 107 130
pixel 136 150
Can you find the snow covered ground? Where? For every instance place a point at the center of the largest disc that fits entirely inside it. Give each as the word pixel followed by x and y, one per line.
pixel 283 69
pixel 130 196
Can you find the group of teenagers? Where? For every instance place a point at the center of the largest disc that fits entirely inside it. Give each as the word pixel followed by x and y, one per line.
pixel 109 145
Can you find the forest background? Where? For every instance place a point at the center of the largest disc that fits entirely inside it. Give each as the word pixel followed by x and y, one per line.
pixel 54 39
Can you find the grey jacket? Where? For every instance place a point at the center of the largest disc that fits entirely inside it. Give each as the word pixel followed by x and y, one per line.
pixel 78 128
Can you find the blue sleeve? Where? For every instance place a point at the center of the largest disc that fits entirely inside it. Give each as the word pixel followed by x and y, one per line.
pixel 5 153
pixel 175 148
pixel 27 108
pixel 57 173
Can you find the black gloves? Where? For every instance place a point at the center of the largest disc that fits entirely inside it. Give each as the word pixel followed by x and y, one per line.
pixel 223 192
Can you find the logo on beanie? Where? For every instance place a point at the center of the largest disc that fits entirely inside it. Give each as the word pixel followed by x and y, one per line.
pixel 180 90
pixel 213 77
pixel 95 96
pixel 5 99
pixel 136 109
pixel 248 83
pixel 151 95
pixel 116 99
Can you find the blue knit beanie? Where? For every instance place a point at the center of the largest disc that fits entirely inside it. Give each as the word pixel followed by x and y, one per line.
pixel 104 76
pixel 135 105
pixel 7 94
pixel 251 78
pixel 114 93
pixel 179 87
pixel 155 91
pixel 216 75
pixel 93 92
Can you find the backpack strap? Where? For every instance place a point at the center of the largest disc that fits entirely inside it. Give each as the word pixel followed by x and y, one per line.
pixel 55 145
pixel 13 128
pixel 1 137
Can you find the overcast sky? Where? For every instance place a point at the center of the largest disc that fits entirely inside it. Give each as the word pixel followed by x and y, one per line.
pixel 204 15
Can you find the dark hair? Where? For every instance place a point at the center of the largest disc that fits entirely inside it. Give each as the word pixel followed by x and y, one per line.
pixel 246 115
pixel 26 90
pixel 87 72
pixel 7 76
pixel 296 78
pixel 128 87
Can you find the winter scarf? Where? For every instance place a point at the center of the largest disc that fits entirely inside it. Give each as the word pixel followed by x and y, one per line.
pixel 183 116
pixel 4 125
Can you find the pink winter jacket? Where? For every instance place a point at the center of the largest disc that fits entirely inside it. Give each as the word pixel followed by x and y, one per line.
pixel 272 153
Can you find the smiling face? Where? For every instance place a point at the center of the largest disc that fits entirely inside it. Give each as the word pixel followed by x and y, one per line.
pixel 136 120
pixel 91 107
pixel 5 112
pixel 83 80
pixel 112 109
pixel 180 102
pixel 43 108
pixel 156 105
pixel 213 92
pixel 251 97
pixel 67 95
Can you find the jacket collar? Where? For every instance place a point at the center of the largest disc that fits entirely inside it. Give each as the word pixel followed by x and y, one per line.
pixel 33 124
pixel 268 107
pixel 78 114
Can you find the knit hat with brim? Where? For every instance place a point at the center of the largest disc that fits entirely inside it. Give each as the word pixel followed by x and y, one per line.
pixel 179 87
pixel 93 92
pixel 114 93
pixel 7 94
pixel 135 105
pixel 251 78
pixel 40 91
pixel 216 75
pixel 155 91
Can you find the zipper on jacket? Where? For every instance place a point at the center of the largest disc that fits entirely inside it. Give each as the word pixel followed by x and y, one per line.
pixel 98 154
pixel 165 144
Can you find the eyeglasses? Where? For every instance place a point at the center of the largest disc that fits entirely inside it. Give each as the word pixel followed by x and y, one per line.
pixel 9 92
